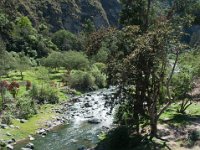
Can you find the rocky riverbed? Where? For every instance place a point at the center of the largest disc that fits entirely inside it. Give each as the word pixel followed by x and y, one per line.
pixel 83 119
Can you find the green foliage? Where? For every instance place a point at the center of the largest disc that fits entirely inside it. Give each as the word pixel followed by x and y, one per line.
pixel 81 80
pixel 22 63
pixel 54 60
pixel 88 27
pixel 101 66
pixel 66 40
pixel 44 94
pixel 3 21
pixel 7 61
pixel 42 75
pixel 25 108
pixel 25 38
pixel 182 83
pixel 100 78
pixel 133 13
pixel 86 80
pixel 6 118
pixel 102 55
pixel 75 60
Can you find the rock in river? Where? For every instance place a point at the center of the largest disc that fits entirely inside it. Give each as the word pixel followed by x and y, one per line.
pixel 88 105
pixel 9 147
pixel 30 146
pixel 94 121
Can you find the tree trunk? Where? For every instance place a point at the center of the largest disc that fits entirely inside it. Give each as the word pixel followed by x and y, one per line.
pixel 154 128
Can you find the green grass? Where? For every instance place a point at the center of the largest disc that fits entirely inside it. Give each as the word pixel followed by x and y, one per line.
pixel 30 127
pixel 45 112
pixel 34 75
pixel 177 119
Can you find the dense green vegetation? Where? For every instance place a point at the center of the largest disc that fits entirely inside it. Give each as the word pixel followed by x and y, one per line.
pixel 149 59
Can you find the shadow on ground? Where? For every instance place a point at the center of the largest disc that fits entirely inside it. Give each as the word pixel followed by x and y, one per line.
pixel 119 139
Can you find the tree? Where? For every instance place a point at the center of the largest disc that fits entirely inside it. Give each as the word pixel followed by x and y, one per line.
pixel 88 27
pixel 7 61
pixel 136 12
pixel 66 41
pixel 140 64
pixel 55 60
pixel 75 60
pixel 22 63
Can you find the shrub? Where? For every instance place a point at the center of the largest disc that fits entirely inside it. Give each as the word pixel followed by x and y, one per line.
pixel 25 108
pixel 81 80
pixel 101 67
pixel 6 119
pixel 100 78
pixel 44 94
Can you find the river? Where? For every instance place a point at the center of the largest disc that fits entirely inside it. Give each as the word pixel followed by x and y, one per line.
pixel 87 117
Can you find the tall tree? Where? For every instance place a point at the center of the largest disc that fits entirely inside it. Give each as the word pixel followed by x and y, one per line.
pixel 136 12
pixel 139 64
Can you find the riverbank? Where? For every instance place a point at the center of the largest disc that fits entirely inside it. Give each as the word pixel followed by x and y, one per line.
pixel 47 118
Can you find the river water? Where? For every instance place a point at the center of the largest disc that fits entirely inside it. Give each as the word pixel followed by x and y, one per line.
pixel 87 118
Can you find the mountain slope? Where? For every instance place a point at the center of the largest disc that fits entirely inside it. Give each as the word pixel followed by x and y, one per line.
pixel 65 14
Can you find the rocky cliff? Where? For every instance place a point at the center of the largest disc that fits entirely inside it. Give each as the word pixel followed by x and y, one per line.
pixel 65 14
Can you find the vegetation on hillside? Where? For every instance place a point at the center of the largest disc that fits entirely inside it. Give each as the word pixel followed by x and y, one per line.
pixel 152 60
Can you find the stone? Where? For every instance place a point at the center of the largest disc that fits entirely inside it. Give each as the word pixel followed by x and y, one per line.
pixel 25 148
pixel 31 138
pixel 42 132
pixel 82 148
pixel 23 121
pixel 8 134
pixel 2 143
pixel 9 147
pixel 11 141
pixel 30 146
pixel 94 121
pixel 4 126
pixel 12 126
pixel 87 105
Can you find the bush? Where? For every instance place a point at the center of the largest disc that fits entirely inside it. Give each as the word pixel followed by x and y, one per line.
pixel 81 80
pixel 101 66
pixel 25 107
pixel 100 78
pixel 44 94
pixel 6 119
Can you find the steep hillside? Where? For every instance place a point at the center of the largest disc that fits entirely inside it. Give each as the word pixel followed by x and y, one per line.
pixel 65 14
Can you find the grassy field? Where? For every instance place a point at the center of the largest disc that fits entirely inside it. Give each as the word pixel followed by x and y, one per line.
pixel 38 76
